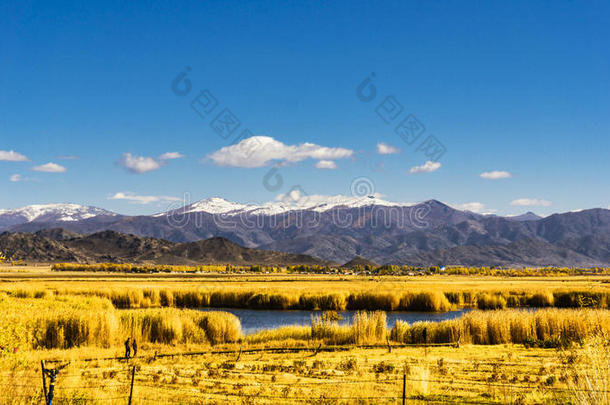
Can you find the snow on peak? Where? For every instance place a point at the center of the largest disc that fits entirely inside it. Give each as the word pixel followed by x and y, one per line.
pixel 292 201
pixel 55 212
pixel 214 205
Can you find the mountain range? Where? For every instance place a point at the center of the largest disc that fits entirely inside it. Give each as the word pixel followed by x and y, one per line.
pixel 338 229
pixel 58 245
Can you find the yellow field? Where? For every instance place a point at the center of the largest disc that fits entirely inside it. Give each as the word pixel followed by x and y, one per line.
pixel 469 374
pixel 324 292
pixel 43 276
pixel 72 317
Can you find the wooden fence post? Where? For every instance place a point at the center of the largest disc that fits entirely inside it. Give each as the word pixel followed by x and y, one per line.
pixel 44 382
pixel 239 355
pixel 133 375
pixel 404 389
pixel 52 377
pixel 52 374
pixel 425 337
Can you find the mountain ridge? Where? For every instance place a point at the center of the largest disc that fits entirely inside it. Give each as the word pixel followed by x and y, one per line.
pixel 397 234
pixel 116 247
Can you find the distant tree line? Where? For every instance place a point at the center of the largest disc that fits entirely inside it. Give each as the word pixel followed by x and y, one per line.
pixel 317 269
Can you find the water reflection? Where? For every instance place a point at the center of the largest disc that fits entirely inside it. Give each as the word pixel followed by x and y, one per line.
pixel 255 320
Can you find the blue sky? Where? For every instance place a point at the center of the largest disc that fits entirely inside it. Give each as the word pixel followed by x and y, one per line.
pixel 520 87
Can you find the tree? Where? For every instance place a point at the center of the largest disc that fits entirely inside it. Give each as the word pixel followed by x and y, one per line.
pixel 2 258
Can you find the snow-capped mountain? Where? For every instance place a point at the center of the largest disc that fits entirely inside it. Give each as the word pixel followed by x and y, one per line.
pixel 338 228
pixel 213 205
pixel 49 213
pixel 286 203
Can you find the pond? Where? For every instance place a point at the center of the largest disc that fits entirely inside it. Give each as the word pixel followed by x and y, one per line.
pixel 255 320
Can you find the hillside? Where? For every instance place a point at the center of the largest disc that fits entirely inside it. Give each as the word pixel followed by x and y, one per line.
pixel 115 247
pixel 338 230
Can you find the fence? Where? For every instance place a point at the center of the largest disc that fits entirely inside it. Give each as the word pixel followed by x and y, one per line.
pixel 140 383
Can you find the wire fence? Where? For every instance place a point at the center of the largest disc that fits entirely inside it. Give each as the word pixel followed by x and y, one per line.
pixel 142 383
pixel 210 389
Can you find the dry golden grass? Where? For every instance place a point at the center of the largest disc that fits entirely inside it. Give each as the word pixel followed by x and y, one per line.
pixel 365 328
pixel 554 326
pixel 480 374
pixel 74 321
pixel 74 316
pixel 433 294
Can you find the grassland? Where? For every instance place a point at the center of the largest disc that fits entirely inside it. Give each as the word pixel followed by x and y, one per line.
pixel 511 355
pixel 476 374
pixel 323 292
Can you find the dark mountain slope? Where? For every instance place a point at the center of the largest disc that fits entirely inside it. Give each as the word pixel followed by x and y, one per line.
pixel 58 234
pixel 221 250
pixel 569 225
pixel 377 232
pixel 27 246
pixel 521 253
pixel 359 262
pixel 110 246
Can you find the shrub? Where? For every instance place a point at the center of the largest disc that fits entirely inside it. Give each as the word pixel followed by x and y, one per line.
pixel 490 301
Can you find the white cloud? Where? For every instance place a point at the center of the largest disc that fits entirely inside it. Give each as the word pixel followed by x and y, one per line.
pixel 140 164
pixel 525 202
pixel 294 196
pixel 17 178
pixel 259 151
pixel 496 174
pixel 171 155
pixel 385 149
pixel 12 156
pixel 141 199
pixel 143 164
pixel 474 206
pixel 326 164
pixel 428 167
pixel 50 168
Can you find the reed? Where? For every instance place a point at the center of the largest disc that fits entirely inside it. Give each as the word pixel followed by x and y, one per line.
pixel 171 326
pixel 353 298
pixel 67 322
pixel 426 301
pixel 75 328
pixel 319 302
pixel 491 301
pixel 282 334
pixel 509 326
pixel 369 327
pixel 220 327
pixel 330 332
pixel 366 328
pixel 373 300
